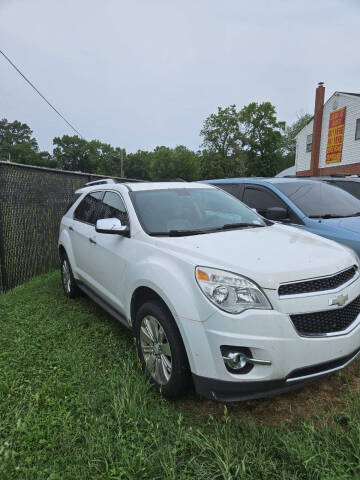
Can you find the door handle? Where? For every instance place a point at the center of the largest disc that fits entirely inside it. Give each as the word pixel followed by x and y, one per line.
pixel 91 240
pixel 71 228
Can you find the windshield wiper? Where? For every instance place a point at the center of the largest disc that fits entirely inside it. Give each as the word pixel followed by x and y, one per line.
pixel 328 215
pixel 229 226
pixel 356 214
pixel 183 233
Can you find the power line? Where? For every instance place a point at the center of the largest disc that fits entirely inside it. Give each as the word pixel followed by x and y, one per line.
pixel 41 95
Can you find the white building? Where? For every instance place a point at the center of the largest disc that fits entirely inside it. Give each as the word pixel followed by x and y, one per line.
pixel 330 142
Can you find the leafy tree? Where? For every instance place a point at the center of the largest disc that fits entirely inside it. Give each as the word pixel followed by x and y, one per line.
pixel 221 132
pixel 138 165
pixel 45 159
pixel 289 141
pixel 263 138
pixel 17 142
pixel 107 158
pixel 73 153
pixel 168 163
pixel 224 143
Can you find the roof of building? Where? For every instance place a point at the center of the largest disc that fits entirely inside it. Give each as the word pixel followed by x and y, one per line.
pixel 350 93
pixel 331 96
pixel 288 171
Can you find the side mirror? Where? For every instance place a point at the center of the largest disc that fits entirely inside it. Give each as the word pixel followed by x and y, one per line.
pixel 276 213
pixel 112 226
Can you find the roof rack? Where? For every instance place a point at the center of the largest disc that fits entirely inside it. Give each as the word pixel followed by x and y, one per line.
pixel 172 180
pixel 100 182
pixel 104 181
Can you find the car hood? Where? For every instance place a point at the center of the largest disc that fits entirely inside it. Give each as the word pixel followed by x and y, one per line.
pixel 348 223
pixel 268 255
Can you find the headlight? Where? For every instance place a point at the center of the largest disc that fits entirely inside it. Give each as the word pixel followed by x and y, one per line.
pixel 229 291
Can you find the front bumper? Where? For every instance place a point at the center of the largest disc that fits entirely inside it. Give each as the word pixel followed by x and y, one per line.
pixel 292 360
pixel 225 391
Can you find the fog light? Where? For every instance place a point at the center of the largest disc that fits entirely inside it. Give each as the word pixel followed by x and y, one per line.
pixel 239 359
pixel 235 360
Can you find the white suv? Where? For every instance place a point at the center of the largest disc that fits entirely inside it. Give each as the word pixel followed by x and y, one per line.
pixel 212 291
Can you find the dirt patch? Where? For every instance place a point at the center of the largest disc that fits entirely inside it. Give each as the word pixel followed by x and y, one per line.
pixel 317 401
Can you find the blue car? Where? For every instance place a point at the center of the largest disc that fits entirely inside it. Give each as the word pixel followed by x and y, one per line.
pixel 318 207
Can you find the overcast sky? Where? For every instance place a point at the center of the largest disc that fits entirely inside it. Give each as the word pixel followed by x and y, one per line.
pixel 141 73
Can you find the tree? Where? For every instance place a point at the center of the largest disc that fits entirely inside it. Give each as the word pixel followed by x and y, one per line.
pixel 179 162
pixel 289 140
pixel 107 158
pixel 75 153
pixel 224 143
pixel 138 165
pixel 221 132
pixel 263 134
pixel 17 143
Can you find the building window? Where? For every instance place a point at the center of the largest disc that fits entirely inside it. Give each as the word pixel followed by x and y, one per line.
pixel 357 130
pixel 308 143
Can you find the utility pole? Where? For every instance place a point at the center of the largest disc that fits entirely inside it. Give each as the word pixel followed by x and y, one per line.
pixel 122 164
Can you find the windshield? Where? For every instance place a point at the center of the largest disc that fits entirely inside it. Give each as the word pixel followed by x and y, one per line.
pixel 348 186
pixel 182 211
pixel 318 199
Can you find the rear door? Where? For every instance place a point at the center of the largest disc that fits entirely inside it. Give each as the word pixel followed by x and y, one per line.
pixel 82 233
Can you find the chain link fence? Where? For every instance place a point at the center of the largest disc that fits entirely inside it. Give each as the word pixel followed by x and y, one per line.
pixel 32 202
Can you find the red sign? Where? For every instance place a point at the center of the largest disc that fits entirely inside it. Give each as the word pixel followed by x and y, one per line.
pixel 335 136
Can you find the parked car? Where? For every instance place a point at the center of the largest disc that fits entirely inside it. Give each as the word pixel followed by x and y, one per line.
pixel 307 204
pixel 211 290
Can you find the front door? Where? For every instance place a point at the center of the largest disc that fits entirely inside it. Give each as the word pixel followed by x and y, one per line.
pixel 109 257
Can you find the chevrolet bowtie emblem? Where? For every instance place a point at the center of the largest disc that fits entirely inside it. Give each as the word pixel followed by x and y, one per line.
pixel 340 300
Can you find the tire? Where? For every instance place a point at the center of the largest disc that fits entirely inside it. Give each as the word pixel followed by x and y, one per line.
pixel 161 350
pixel 71 290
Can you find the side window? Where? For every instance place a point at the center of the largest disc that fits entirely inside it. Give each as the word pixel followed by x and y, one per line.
pixel 232 188
pixel 357 129
pixel 88 208
pixel 113 207
pixel 262 198
pixel 309 143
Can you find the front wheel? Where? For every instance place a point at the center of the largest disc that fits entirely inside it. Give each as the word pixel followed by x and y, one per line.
pixel 161 350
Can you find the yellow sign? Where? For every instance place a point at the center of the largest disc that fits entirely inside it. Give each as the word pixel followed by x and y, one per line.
pixel 335 136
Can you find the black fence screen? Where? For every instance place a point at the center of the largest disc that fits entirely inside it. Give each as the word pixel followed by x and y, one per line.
pixel 32 202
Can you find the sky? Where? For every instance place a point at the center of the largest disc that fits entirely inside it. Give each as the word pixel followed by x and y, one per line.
pixel 142 73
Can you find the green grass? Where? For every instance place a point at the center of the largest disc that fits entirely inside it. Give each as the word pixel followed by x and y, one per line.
pixel 74 405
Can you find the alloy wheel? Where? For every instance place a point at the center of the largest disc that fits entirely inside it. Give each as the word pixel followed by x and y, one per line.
pixel 156 350
pixel 66 276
